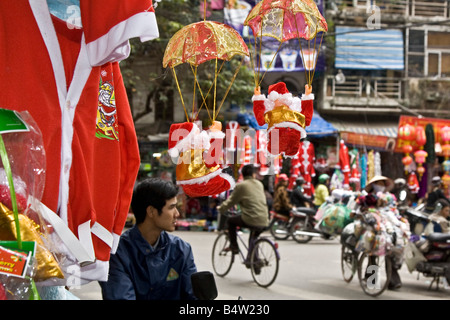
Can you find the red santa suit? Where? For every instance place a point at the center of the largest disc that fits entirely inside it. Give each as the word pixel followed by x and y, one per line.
pixel 344 163
pixel 197 172
pixel 307 157
pixel 69 79
pixel 286 116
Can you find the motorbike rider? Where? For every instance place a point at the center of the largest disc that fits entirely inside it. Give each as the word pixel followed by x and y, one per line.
pixel 298 198
pixel 402 193
pixel 441 216
pixel 281 201
pixel 435 194
pixel 321 193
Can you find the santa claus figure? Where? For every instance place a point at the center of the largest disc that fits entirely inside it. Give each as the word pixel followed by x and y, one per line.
pixel 200 155
pixel 286 116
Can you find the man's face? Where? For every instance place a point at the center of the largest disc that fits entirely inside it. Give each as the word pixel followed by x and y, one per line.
pixel 169 214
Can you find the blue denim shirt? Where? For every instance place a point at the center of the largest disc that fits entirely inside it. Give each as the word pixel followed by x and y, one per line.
pixel 139 272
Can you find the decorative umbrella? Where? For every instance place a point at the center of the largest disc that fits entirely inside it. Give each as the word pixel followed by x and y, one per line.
pixel 198 43
pixel 289 19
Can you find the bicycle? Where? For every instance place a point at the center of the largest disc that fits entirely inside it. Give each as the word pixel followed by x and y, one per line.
pixel 261 255
pixel 374 271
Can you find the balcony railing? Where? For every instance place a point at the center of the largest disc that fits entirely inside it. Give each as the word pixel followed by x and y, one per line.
pixel 407 8
pixel 378 96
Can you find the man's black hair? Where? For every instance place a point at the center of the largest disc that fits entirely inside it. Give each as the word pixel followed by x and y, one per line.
pixel 151 192
pixel 248 170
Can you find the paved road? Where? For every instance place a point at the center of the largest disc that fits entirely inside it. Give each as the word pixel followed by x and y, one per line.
pixel 307 272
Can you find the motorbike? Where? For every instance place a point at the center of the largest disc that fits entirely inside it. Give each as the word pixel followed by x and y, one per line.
pixel 280 225
pixel 430 256
pixel 428 251
pixel 303 226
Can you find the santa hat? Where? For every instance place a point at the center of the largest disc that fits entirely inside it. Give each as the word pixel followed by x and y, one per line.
pixel 279 87
pixel 180 137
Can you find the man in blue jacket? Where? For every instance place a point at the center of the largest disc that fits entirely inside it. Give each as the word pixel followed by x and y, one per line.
pixel 151 264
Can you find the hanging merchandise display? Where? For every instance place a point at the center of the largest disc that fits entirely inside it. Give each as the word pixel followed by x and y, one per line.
pixel 92 154
pixel 197 45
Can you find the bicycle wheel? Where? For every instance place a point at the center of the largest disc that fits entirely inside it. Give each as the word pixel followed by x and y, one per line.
pixel 374 273
pixel 264 262
pixel 279 229
pixel 299 225
pixel 349 263
pixel 222 260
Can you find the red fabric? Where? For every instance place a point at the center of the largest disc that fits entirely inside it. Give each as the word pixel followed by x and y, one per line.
pixel 307 111
pixel 285 140
pixel 259 109
pixel 212 187
pixel 113 12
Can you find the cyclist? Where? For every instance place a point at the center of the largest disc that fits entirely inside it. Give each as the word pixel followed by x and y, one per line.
pixel 249 195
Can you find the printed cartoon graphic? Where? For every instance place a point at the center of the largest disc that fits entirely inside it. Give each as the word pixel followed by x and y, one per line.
pixel 106 112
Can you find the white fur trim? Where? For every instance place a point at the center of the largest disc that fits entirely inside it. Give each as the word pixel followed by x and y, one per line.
pixel 294 103
pixel 308 96
pixel 229 178
pixel 216 135
pixel 114 45
pixel 258 97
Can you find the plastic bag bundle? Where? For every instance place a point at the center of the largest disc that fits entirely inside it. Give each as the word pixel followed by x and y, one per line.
pixel 22 229
pixel 335 217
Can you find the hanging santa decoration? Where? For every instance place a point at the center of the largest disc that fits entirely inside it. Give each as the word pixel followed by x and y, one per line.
pixel 286 116
pixel 198 169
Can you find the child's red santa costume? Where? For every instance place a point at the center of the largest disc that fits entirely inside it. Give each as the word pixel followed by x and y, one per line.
pixel 198 169
pixel 286 116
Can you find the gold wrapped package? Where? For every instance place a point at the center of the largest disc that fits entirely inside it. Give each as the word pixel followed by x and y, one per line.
pixel 46 265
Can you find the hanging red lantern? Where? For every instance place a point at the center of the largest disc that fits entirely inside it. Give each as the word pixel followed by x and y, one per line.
pixel 407 132
pixel 420 171
pixel 445 134
pixel 407 148
pixel 407 160
pixel 421 137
